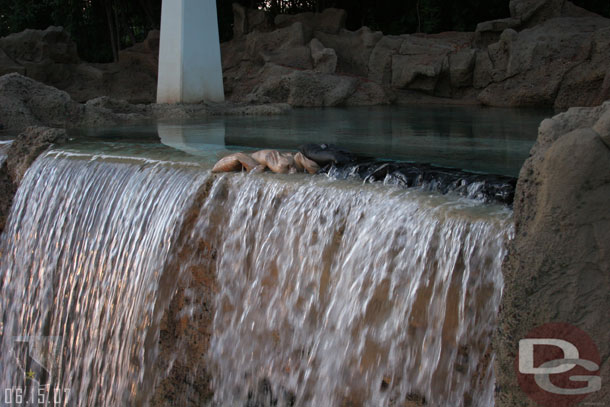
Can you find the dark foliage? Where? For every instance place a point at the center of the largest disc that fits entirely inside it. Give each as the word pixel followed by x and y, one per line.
pixel 102 27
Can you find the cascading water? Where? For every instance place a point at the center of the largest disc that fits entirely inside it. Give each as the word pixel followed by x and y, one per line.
pixel 332 295
pixel 4 146
pixel 327 293
pixel 84 248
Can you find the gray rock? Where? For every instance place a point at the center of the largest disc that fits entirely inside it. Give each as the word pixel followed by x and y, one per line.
pixel 461 68
pixel 489 32
pixel 52 45
pixel 418 72
pixel 7 65
pixel 353 48
pixel 304 89
pixel 588 84
pixel 534 12
pixel 25 102
pixel 324 59
pixel 278 46
pixel 557 266
pixel 423 63
pixel 380 61
pixel 246 20
pixel 368 94
pixel 530 67
pixel 602 127
pixel 48 56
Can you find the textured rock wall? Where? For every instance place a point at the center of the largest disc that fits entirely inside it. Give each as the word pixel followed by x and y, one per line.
pixel 558 266
pixel 548 53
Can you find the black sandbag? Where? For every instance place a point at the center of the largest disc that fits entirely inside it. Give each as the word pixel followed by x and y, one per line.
pixel 325 154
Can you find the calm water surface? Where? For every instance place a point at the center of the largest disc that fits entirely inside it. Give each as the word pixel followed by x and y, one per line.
pixel 478 139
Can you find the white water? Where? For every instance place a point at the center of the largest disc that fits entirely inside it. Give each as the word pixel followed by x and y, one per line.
pixel 82 255
pixel 325 293
pixel 4 146
pixel 329 293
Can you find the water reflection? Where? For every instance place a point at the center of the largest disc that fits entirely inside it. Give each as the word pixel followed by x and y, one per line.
pixel 189 138
pixel 478 139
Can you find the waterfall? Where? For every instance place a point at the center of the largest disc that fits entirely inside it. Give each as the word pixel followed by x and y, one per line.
pixel 326 293
pixel 82 255
pixel 4 146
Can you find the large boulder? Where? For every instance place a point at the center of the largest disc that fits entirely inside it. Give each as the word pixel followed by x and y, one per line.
pixel 588 84
pixel 286 46
pixel 331 20
pixel 312 89
pixel 49 56
pixel 434 63
pixel 353 48
pixel 246 20
pixel 534 12
pixel 304 89
pixel 7 65
pixel 380 60
pixel 25 102
pixel 527 68
pixel 369 94
pixel 558 262
pixel 488 32
pixel 324 59
pixel 37 46
pixel 45 55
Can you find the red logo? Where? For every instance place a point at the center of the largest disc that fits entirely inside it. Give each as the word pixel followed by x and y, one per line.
pixel 558 365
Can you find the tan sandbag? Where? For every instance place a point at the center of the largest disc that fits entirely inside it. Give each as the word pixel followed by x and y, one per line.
pixel 247 161
pixel 261 156
pixel 277 162
pixel 229 163
pixel 235 162
pixel 304 163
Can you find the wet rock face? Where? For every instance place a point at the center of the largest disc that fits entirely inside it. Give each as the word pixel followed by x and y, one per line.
pixel 558 263
pixel 20 155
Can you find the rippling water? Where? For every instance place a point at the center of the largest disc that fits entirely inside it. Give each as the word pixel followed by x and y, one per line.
pixel 325 293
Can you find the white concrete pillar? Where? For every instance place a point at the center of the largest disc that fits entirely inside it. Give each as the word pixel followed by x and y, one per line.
pixel 190 69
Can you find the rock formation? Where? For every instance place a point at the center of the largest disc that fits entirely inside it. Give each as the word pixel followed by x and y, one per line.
pixel 50 56
pixel 547 53
pixel 557 269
